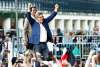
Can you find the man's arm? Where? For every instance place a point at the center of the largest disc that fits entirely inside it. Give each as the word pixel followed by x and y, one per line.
pixel 56 8
pixel 88 61
pixel 93 61
pixel 28 15
pixel 48 19
pixel 29 7
pixel 26 24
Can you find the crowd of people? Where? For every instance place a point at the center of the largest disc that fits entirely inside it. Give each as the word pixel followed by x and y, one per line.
pixel 36 36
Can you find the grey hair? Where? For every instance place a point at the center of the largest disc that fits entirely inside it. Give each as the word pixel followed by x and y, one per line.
pixel 39 13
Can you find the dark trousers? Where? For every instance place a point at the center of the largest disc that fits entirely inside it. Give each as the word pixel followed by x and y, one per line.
pixel 41 48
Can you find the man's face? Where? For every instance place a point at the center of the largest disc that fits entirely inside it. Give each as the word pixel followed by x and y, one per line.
pixel 33 12
pixel 29 56
pixel 19 63
pixel 40 18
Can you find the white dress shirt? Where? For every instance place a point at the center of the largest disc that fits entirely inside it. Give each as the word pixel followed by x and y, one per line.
pixel 43 34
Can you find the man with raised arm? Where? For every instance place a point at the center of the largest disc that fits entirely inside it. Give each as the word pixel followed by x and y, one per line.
pixel 27 26
pixel 41 33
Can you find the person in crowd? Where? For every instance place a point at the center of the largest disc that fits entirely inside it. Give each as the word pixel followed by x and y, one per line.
pixel 14 59
pixel 75 40
pixel 16 62
pixel 72 57
pixel 96 59
pixel 96 30
pixel 59 40
pixel 1 42
pixel 65 57
pixel 27 26
pixel 65 63
pixel 71 36
pixel 79 62
pixel 24 61
pixel 28 58
pixel 59 34
pixel 89 59
pixel 1 65
pixel 40 31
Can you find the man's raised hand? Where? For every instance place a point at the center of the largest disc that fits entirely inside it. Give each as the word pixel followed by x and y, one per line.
pixel 29 6
pixel 56 7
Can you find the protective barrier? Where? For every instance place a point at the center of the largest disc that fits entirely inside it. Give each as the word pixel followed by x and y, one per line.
pixel 79 45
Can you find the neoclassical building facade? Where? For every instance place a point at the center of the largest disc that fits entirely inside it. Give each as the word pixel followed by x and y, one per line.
pixel 71 17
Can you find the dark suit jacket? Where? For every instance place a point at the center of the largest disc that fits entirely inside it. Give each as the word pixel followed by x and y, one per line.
pixel 35 35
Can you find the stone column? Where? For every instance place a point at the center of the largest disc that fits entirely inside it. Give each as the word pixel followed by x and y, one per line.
pixel 85 25
pixel 69 25
pixel 7 25
pixel 61 24
pixel 76 25
pixel 91 25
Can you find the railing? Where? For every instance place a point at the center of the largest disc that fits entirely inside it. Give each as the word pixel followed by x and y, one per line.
pixel 18 48
pixel 82 43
